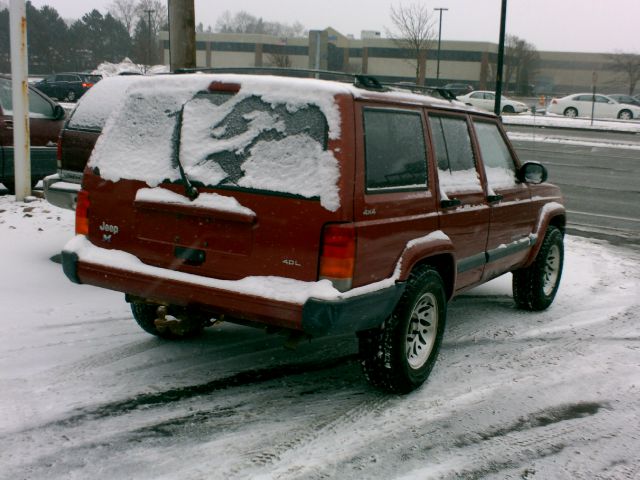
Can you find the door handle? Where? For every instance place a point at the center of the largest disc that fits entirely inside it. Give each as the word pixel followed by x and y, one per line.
pixel 453 202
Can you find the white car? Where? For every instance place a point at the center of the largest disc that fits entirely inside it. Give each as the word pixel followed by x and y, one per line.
pixel 486 101
pixel 580 105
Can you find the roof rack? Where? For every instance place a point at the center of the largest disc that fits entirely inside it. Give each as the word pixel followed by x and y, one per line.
pixel 367 82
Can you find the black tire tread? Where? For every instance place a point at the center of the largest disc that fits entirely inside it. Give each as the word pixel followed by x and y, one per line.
pixel 381 357
pixel 528 282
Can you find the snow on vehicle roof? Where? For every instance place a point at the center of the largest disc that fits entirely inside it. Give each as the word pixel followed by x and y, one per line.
pixel 95 106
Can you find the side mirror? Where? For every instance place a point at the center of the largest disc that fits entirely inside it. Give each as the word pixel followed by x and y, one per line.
pixel 58 112
pixel 533 172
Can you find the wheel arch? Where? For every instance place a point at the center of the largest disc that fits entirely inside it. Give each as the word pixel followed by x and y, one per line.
pixel 436 251
pixel 553 215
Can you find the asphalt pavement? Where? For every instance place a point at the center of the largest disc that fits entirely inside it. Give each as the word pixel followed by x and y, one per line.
pixel 599 173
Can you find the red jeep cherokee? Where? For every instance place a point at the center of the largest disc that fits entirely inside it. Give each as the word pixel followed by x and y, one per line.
pixel 313 207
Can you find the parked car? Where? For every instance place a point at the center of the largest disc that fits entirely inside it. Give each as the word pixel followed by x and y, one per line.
pixel 68 87
pixel 459 88
pixel 486 101
pixel 314 208
pixel 45 121
pixel 582 104
pixel 79 135
pixel 622 98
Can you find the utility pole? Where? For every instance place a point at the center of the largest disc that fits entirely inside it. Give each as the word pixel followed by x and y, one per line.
pixel 149 12
pixel 20 90
pixel 503 22
pixel 182 34
pixel 439 38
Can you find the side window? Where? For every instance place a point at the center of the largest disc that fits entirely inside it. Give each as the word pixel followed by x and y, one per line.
pixel 395 152
pixel 601 99
pixel 6 100
pixel 38 106
pixel 454 154
pixel 498 162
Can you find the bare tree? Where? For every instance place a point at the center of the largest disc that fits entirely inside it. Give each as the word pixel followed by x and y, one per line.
pixel 126 12
pixel 244 22
pixel 520 65
pixel 3 5
pixel 628 65
pixel 158 11
pixel 279 59
pixel 414 32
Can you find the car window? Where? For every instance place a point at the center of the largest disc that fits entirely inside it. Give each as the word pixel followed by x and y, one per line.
pixel 477 95
pixel 489 96
pixel 601 99
pixel 498 162
pixel 5 96
pixel 394 149
pixel 38 106
pixel 454 154
pixel 584 98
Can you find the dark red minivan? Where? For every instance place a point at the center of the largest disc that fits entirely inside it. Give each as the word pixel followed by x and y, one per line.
pixel 312 207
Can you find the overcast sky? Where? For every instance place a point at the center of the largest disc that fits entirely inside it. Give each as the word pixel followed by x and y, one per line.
pixel 565 25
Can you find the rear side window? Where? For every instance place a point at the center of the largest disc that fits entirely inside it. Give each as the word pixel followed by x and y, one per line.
pixel 394 150
pixel 454 154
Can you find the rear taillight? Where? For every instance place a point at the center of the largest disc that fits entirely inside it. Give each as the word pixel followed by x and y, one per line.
pixel 59 152
pixel 87 85
pixel 337 255
pixel 554 101
pixel 82 213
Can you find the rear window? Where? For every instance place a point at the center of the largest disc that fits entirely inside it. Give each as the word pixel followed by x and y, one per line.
pixel 250 143
pixel 270 136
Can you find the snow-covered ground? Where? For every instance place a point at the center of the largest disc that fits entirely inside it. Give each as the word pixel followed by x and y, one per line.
pixel 84 393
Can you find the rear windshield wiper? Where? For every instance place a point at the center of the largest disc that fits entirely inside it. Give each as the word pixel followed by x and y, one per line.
pixel 190 191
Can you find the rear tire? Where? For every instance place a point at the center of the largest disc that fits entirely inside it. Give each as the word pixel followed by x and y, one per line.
pixel 625 115
pixel 399 356
pixel 571 112
pixel 145 315
pixel 535 287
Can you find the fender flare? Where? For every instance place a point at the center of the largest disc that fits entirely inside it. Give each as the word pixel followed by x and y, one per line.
pixel 436 246
pixel 547 214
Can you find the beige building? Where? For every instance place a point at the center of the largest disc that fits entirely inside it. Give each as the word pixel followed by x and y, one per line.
pixel 460 62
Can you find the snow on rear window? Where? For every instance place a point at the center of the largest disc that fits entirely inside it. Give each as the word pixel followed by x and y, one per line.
pixel 271 135
pixel 247 142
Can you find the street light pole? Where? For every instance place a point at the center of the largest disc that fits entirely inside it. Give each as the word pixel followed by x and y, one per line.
pixel 439 39
pixel 503 21
pixel 149 12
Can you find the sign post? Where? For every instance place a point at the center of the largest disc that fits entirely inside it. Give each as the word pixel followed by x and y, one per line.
pixel 594 80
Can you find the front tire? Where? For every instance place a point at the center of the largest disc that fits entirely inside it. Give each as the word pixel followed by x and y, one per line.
pixel 399 356
pixel 508 109
pixel 71 96
pixel 535 287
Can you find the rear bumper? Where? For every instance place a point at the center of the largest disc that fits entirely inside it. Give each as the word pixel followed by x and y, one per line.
pixel 311 307
pixel 61 193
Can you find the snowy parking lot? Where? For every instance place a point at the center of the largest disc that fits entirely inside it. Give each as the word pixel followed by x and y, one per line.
pixel 84 393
